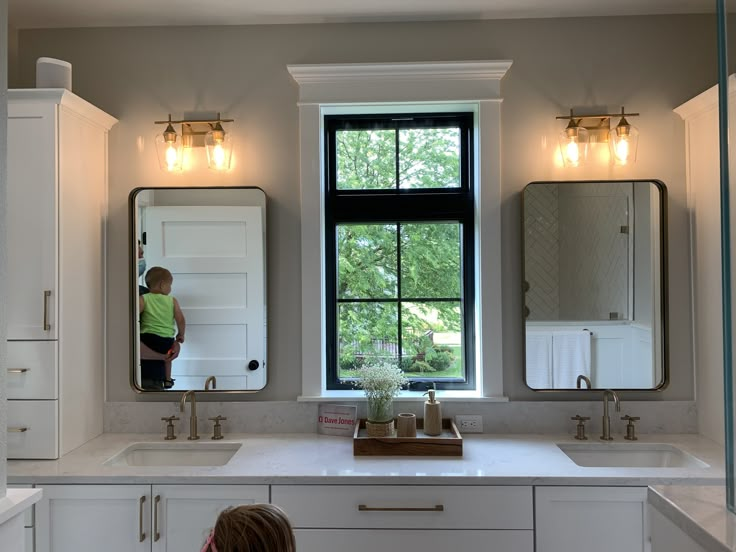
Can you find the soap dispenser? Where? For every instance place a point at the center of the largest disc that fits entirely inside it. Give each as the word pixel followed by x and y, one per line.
pixel 432 415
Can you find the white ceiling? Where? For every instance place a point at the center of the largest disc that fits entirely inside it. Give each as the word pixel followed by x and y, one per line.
pixel 25 14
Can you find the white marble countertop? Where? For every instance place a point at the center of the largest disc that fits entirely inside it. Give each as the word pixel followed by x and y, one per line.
pixel 700 512
pixel 319 459
pixel 16 501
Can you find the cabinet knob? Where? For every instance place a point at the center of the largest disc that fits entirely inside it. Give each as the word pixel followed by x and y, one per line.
pixel 253 365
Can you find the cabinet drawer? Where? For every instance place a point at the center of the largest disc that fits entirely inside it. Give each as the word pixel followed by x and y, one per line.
pixel 398 540
pixel 406 507
pixel 32 429
pixel 32 370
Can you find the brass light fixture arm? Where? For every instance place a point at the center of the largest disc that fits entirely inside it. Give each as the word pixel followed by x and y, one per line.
pixel 196 121
pixel 193 130
pixel 579 118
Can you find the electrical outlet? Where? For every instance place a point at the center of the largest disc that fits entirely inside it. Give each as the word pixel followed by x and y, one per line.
pixel 469 424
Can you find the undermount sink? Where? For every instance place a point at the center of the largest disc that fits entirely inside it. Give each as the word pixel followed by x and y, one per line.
pixel 629 455
pixel 175 454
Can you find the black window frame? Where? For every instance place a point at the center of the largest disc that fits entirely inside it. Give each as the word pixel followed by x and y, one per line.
pixel 399 205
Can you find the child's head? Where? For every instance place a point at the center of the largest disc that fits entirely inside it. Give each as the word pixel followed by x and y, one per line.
pixel 252 528
pixel 157 277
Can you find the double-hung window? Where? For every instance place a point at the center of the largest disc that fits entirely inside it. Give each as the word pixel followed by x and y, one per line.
pixel 399 247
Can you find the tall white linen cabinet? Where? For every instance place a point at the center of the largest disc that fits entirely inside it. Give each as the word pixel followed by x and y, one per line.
pixel 56 209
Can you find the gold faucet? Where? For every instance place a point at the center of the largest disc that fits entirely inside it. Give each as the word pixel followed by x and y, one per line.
pixel 582 378
pixel 193 414
pixel 212 380
pixel 606 436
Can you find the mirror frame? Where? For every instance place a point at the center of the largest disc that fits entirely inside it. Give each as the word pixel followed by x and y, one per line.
pixel 133 284
pixel 663 294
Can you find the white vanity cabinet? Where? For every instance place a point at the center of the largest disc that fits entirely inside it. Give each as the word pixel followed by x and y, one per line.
pixel 56 209
pixel 581 519
pixel 183 515
pixel 335 518
pixel 134 518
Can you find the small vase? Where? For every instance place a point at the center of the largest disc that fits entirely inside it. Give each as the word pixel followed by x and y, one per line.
pixel 380 411
pixel 380 422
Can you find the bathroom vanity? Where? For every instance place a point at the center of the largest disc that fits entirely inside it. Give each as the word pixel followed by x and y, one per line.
pixel 505 492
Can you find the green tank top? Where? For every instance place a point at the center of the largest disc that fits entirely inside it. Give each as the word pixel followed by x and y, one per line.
pixel 158 314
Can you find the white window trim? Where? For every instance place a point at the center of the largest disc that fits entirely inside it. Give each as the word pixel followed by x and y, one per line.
pixel 407 87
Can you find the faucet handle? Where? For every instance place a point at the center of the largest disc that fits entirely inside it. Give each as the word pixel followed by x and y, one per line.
pixel 170 427
pixel 630 427
pixel 580 428
pixel 217 429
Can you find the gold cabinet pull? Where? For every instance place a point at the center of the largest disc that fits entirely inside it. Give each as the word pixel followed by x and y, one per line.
pixel 18 429
pixel 18 370
pixel 156 534
pixel 436 508
pixel 141 533
pixel 46 295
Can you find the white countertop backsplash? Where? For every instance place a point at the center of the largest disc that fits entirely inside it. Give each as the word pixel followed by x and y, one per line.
pixel 320 459
pixel 670 417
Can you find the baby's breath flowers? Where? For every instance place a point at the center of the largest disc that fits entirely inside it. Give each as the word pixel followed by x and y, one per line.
pixel 381 382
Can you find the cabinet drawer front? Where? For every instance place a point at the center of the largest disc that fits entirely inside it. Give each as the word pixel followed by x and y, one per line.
pixel 32 429
pixel 363 540
pixel 409 507
pixel 32 372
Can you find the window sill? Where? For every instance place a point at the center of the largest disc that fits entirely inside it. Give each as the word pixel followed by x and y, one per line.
pixel 406 396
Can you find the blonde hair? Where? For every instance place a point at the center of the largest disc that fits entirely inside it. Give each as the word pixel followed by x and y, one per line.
pixel 157 275
pixel 254 528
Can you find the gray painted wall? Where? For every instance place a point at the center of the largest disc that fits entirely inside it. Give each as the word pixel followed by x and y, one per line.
pixel 141 74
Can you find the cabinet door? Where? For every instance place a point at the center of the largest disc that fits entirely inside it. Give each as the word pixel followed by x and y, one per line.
pixel 581 519
pixel 113 518
pixel 32 222
pixel 183 515
pixel 406 540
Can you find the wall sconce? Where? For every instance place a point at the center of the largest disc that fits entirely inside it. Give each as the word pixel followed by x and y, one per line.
pixel 207 133
pixel 582 130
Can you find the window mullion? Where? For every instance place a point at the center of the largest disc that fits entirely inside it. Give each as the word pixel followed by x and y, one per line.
pixel 399 304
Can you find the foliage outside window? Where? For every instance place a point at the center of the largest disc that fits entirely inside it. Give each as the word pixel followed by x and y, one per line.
pixel 399 220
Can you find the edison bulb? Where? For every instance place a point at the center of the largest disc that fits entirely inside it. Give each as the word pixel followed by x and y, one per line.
pixel 572 154
pixel 622 151
pixel 219 156
pixel 171 157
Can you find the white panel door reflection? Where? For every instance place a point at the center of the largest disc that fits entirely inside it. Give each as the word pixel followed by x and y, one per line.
pixel 216 257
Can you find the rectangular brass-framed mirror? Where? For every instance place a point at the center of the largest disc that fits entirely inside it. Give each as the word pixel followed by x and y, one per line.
pixel 594 281
pixel 198 289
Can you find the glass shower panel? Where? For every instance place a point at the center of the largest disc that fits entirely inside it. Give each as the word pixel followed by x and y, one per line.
pixel 726 20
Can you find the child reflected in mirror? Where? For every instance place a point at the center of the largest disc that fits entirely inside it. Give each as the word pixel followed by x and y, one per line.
pixel 162 321
pixel 251 528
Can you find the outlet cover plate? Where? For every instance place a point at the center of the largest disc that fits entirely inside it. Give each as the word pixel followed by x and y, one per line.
pixel 469 424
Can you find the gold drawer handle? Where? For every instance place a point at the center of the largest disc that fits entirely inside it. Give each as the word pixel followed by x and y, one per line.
pixel 46 295
pixel 141 533
pixel 156 534
pixel 437 508
pixel 18 370
pixel 18 429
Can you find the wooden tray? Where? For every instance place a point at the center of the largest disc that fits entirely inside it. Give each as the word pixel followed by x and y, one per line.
pixel 448 443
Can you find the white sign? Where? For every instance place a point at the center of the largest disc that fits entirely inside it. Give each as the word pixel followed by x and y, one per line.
pixel 336 419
